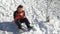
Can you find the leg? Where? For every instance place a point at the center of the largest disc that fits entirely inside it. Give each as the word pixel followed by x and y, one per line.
pixel 18 24
pixel 27 22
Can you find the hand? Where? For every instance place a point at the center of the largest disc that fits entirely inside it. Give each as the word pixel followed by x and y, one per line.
pixel 21 14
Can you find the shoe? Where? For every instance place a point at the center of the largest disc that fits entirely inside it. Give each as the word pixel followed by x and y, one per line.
pixel 30 28
pixel 19 27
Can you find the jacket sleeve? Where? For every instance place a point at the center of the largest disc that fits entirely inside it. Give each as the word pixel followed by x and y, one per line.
pixel 14 15
pixel 24 13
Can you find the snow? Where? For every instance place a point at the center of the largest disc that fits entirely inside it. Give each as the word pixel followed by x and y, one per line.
pixel 36 12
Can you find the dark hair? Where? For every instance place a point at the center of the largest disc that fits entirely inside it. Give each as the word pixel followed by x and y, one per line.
pixel 20 6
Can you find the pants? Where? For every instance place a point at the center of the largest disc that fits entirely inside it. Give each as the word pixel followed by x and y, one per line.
pixel 25 20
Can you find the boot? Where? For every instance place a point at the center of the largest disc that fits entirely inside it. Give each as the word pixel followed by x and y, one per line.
pixel 30 28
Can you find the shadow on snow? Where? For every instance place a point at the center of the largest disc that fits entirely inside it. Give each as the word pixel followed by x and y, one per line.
pixel 9 27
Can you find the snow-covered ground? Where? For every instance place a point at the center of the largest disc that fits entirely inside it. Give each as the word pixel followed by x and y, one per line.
pixel 36 12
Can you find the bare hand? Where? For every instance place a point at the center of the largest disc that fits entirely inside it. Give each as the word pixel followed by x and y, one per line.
pixel 21 14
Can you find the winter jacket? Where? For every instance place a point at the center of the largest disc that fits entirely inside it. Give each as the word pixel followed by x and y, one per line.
pixel 19 15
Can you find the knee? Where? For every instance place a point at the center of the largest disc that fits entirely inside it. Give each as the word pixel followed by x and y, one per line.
pixel 25 18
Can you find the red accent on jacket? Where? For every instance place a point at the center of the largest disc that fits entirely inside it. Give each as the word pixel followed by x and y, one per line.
pixel 20 15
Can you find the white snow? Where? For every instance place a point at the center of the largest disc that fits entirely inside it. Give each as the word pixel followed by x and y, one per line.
pixel 35 11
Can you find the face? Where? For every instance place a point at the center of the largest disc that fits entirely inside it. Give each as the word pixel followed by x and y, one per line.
pixel 20 9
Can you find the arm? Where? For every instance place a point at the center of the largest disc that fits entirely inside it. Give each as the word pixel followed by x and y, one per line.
pixel 24 15
pixel 14 15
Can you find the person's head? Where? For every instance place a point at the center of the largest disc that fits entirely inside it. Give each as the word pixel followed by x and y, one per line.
pixel 20 7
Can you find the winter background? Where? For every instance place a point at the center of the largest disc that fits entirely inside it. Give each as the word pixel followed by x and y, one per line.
pixel 36 12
